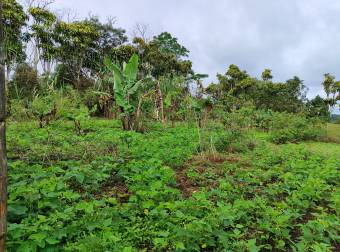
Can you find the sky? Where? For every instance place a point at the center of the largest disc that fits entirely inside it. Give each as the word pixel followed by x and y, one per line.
pixel 291 37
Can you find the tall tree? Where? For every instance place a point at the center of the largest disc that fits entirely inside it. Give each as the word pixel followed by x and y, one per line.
pixel 109 37
pixel 231 78
pixel 76 40
pixel 3 161
pixel 42 31
pixel 168 44
pixel 161 58
pixel 267 75
pixel 318 107
pixel 14 18
pixel 82 45
pixel 328 83
pixel 332 89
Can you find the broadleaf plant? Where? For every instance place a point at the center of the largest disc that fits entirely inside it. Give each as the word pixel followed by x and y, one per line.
pixel 125 88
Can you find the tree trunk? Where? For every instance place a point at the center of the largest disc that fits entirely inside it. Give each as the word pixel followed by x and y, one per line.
pixel 160 104
pixel 78 73
pixel 127 125
pixel 36 55
pixel 156 115
pixel 8 74
pixel 3 160
pixel 200 90
pixel 206 113
pixel 108 105
pixel 125 119
pixel 172 116
pixel 47 68
pixel 137 123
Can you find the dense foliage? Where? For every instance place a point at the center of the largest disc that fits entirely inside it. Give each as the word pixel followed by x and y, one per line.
pixel 116 145
pixel 110 190
pixel 72 53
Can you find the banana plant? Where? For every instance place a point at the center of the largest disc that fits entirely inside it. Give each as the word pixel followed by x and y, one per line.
pixel 125 88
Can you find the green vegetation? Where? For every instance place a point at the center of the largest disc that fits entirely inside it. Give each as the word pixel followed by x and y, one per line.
pixel 114 190
pixel 333 132
pixel 116 145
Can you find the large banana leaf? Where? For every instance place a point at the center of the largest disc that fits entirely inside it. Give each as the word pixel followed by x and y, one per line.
pixel 131 69
pixel 135 86
pixel 118 76
pixel 125 82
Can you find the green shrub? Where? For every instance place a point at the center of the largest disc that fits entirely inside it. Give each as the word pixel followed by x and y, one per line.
pixel 25 82
pixel 65 103
pixel 18 110
pixel 241 118
pixel 263 119
pixel 282 127
pixel 294 128
pixel 221 139
pixel 43 108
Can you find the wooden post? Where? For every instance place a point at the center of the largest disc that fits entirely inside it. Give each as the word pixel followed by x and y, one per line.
pixel 3 160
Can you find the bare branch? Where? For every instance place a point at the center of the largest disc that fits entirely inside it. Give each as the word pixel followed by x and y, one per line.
pixel 38 3
pixel 141 30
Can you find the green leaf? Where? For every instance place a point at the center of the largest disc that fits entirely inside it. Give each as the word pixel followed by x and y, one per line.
pixel 39 238
pixel 80 178
pixel 17 209
pixel 118 76
pixel 131 68
pixel 120 99
pixel 179 245
pixel 252 247
pixel 86 206
pixel 135 87
pixel 52 241
pixel 128 249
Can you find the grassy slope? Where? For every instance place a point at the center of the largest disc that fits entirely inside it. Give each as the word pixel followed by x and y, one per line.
pixel 123 191
pixel 333 130
pixel 327 149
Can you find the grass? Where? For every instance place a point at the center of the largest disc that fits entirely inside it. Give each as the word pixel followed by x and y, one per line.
pixel 326 149
pixel 333 132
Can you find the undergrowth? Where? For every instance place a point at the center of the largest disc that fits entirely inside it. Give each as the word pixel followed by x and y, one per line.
pixel 167 190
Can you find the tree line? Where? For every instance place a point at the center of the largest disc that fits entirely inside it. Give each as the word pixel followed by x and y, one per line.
pixel 42 51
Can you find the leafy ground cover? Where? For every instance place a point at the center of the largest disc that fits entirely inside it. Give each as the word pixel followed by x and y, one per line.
pixel 113 190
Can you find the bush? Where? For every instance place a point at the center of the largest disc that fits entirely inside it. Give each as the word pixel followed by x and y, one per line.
pixel 283 127
pixel 25 81
pixel 64 104
pixel 263 119
pixel 241 118
pixel 43 109
pixel 64 76
pixel 18 110
pixel 294 128
pixel 218 138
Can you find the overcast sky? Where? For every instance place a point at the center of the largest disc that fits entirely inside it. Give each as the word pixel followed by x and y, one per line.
pixel 291 37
